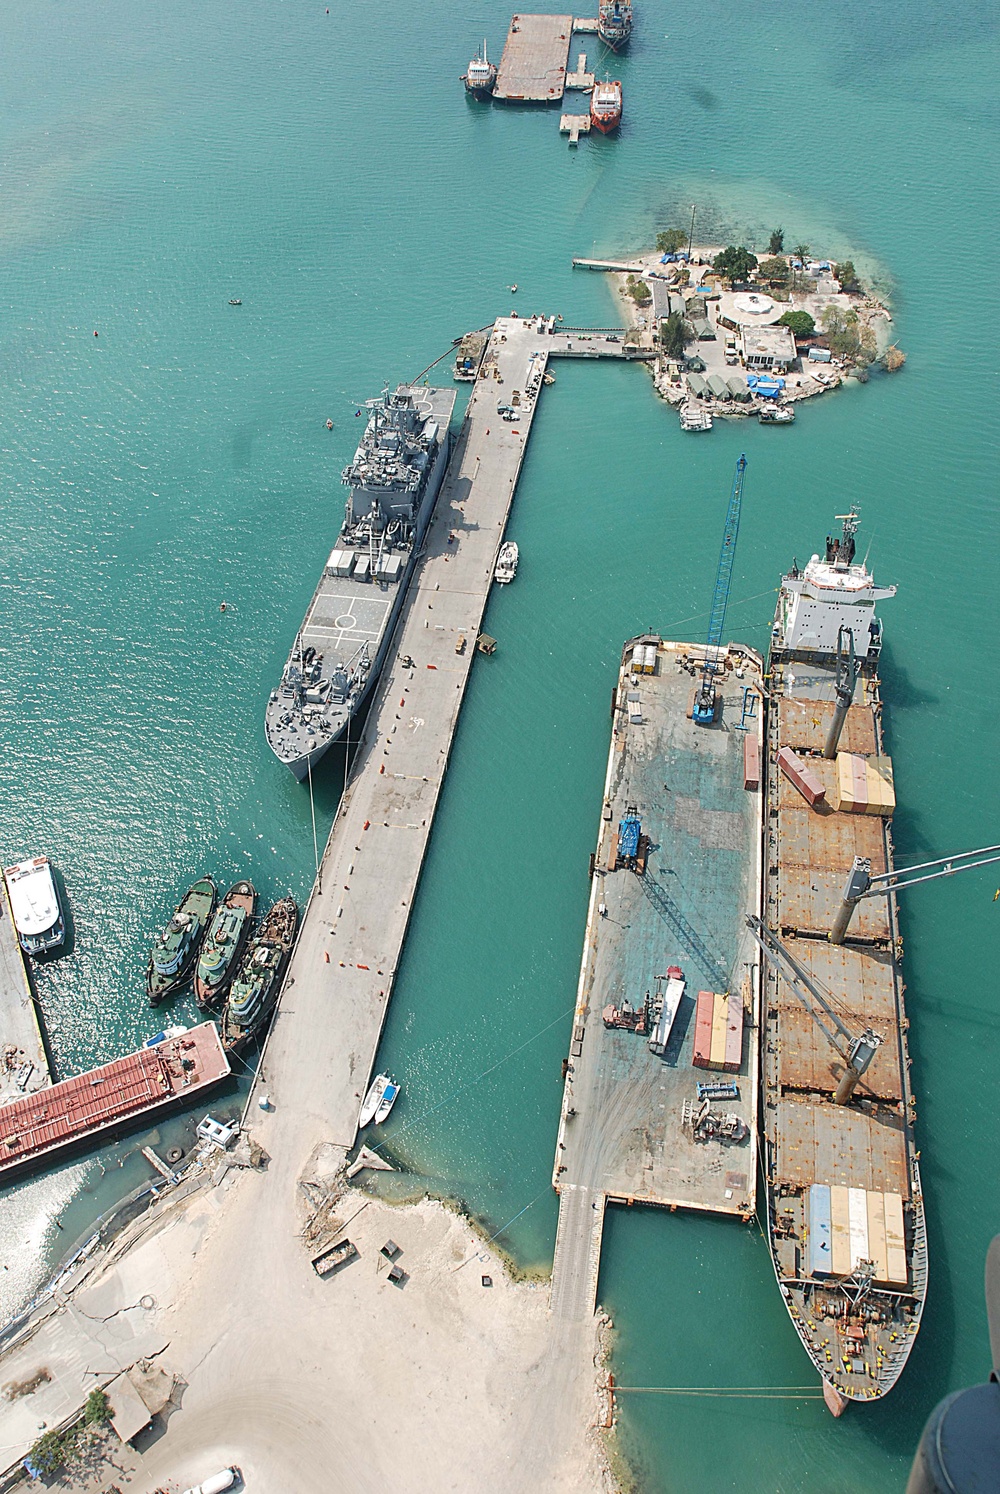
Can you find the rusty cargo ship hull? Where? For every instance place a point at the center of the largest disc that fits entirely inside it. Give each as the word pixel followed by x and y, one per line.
pixel 845 1216
pixel 95 1107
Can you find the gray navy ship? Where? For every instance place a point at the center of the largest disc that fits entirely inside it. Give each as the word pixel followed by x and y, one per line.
pixel 393 483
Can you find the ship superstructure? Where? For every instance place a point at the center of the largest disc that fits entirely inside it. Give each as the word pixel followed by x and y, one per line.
pixel 845 1211
pixel 614 22
pixel 392 483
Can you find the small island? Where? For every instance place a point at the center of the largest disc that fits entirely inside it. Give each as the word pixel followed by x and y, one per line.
pixel 739 335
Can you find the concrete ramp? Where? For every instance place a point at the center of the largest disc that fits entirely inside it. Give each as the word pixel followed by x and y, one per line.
pixel 577 1261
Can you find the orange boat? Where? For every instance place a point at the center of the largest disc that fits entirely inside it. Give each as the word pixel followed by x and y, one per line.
pixel 606 106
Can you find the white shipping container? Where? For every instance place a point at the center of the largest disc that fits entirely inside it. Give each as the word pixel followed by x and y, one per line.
pixel 390 567
pixel 362 569
pixel 649 659
pixel 857 1204
pixel 638 658
pixel 333 564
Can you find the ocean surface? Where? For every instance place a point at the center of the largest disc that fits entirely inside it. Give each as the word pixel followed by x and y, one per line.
pixel 159 160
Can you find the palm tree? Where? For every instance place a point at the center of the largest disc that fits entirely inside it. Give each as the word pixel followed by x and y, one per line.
pixel 801 253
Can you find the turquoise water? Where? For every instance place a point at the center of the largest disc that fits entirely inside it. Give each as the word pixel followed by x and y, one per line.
pixel 157 162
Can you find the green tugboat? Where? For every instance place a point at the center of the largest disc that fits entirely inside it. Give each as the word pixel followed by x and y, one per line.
pixel 224 943
pixel 176 948
pixel 254 992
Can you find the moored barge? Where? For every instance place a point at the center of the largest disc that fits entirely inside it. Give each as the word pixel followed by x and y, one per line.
pixel 845 1210
pixel 92 1108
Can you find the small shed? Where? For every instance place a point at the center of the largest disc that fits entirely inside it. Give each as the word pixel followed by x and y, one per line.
pixel 718 387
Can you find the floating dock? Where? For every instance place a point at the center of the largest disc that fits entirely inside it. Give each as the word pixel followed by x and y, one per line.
pixel 323 1043
pixel 627 1130
pixel 93 1107
pixel 574 125
pixel 535 58
pixel 25 1066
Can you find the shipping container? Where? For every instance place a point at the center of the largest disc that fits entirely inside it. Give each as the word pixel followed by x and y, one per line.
pixel 858 1208
pixel 840 1221
pixel 720 1014
pixel 876 1235
pixel 734 1033
pixel 638 658
pixel 895 1240
pixel 820 1231
pixel 819 355
pixel 390 567
pixel 649 659
pixel 341 563
pixel 704 1012
pixel 801 776
pixel 362 569
pixel 751 761
pixel 864 784
pixel 881 790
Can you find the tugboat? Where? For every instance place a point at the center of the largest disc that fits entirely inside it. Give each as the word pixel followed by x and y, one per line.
pixel 253 993
pixel 224 943
pixel 614 23
pixel 481 78
pixel 606 106
pixel 176 948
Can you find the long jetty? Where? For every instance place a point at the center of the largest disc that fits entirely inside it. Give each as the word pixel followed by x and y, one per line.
pixel 322 1047
pixel 25 1066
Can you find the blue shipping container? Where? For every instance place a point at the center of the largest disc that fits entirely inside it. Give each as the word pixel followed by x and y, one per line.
pixel 820 1231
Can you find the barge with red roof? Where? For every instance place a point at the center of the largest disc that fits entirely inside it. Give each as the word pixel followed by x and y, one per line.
pixel 98 1105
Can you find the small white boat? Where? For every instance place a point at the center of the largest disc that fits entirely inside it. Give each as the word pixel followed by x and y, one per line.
pixel 34 904
pixel 378 1101
pixel 506 566
pixel 776 415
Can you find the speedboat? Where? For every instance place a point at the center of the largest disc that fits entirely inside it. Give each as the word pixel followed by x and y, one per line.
pixel 506 566
pixel 378 1101
pixel 34 904
pixel 236 303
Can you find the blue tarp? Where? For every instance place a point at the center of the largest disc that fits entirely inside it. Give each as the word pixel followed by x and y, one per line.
pixel 766 388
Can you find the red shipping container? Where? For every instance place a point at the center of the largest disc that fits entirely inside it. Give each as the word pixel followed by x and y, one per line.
pixel 704 1014
pixel 751 761
pixel 734 1033
pixel 801 776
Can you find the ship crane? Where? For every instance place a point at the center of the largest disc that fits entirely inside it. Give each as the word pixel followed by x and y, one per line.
pixel 861 883
pixel 856 1051
pixel 705 701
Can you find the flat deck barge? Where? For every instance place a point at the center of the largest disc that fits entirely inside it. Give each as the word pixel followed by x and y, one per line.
pixel 844 1204
pixel 535 58
pixel 92 1107
pixel 628 1130
pixel 24 1064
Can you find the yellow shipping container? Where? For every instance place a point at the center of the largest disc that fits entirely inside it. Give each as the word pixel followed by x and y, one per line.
pixel 720 1015
pixel 881 793
pixel 895 1240
pixel 840 1220
pixel 876 1235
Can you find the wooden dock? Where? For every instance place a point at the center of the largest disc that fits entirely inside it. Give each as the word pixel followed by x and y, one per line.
pixel 535 58
pixel 24 1066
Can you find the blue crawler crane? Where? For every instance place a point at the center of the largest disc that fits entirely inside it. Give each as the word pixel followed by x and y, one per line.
pixel 629 830
pixel 705 696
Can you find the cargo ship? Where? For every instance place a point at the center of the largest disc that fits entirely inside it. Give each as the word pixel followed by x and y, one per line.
pixel 845 1212
pixel 606 106
pixel 614 23
pixel 393 483
pixel 94 1107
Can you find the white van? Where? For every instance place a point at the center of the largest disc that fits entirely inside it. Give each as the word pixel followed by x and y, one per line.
pixel 217 1483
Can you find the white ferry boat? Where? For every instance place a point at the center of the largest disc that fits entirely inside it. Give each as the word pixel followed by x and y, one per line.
pixel 34 904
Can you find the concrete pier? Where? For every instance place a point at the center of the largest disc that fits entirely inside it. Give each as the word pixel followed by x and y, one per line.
pixel 24 1066
pixel 580 79
pixel 574 125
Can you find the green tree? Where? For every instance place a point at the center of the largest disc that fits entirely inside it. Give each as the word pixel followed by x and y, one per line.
pixel 801 323
pixel 847 275
pixel 671 240
pixel 674 333
pixel 802 252
pixel 776 242
pixel 50 1452
pixel 735 263
pixel 639 291
pixel 97 1408
pixel 775 271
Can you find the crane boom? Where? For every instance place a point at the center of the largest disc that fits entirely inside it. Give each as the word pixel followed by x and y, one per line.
pixel 704 705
